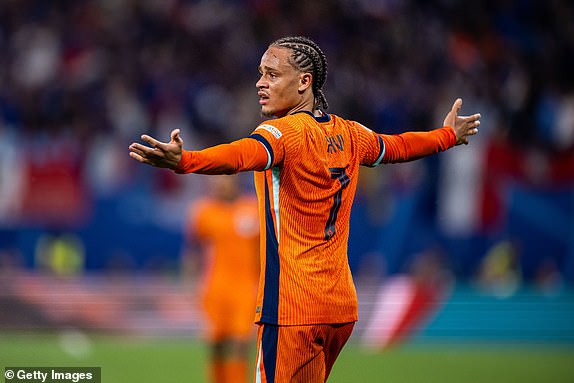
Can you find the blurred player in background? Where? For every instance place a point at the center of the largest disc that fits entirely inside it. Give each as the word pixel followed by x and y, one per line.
pixel 306 165
pixel 223 234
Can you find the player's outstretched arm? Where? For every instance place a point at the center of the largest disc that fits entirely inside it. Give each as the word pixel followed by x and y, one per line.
pixel 410 146
pixel 159 154
pixel 464 126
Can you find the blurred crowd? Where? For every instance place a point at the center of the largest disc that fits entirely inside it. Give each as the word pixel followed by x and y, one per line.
pixel 80 80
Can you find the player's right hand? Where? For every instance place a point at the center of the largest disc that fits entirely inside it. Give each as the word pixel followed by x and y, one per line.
pixel 159 154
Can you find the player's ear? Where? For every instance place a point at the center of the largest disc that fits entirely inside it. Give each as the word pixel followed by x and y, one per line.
pixel 305 81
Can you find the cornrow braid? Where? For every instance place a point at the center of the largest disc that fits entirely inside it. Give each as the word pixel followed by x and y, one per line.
pixel 308 57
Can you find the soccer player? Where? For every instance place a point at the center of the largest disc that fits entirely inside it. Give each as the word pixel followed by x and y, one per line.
pixel 306 165
pixel 223 232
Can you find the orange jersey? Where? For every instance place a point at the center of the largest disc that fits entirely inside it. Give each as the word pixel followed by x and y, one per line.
pixel 229 233
pixel 305 198
pixel 306 181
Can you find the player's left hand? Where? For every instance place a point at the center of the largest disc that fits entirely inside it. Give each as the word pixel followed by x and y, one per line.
pixel 159 154
pixel 464 126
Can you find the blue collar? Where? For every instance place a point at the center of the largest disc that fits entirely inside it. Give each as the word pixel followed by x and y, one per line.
pixel 324 118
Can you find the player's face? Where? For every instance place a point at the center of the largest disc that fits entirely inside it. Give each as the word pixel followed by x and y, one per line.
pixel 280 90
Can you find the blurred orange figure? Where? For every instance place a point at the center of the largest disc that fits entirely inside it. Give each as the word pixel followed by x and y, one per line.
pixel 224 230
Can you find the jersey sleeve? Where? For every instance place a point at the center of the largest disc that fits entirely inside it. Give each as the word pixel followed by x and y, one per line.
pixel 371 145
pixel 412 145
pixel 241 155
pixel 272 135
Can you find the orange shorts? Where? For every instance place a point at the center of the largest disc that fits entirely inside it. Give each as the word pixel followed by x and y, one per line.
pixel 229 317
pixel 299 353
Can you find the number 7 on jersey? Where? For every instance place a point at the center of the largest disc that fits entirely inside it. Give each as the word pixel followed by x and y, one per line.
pixel 340 175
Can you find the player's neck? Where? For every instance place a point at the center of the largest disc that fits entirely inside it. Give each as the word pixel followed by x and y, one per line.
pixel 315 112
pixel 306 104
pixel 300 108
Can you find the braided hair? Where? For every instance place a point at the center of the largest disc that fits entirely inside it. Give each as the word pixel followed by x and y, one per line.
pixel 308 57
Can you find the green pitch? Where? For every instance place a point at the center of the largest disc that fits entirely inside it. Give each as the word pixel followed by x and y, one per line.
pixel 142 360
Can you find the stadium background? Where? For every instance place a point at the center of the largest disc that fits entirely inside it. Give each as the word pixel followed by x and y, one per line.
pixel 90 241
